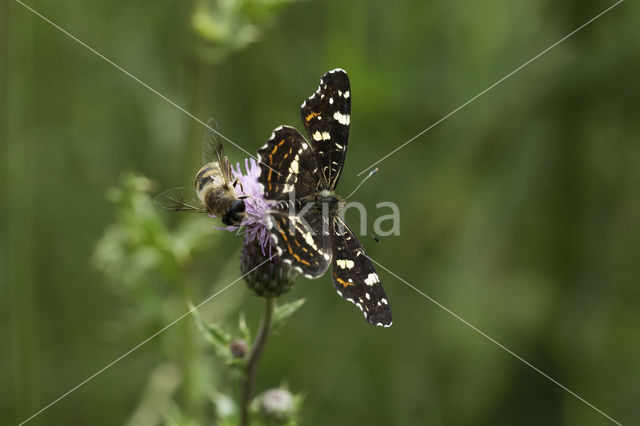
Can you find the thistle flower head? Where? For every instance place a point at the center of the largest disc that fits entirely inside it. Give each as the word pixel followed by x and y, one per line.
pixel 266 278
pixel 256 206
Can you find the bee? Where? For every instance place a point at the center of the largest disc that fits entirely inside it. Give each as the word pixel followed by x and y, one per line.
pixel 215 186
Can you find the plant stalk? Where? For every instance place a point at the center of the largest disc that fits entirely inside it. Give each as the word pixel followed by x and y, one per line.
pixel 251 368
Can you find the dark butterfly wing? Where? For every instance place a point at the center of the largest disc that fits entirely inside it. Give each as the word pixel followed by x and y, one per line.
pixel 301 237
pixel 326 116
pixel 354 277
pixel 288 164
pixel 179 199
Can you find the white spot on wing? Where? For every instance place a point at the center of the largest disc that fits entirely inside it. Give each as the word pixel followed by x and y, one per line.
pixel 287 188
pixel 343 119
pixel 372 279
pixel 293 168
pixel 309 239
pixel 345 263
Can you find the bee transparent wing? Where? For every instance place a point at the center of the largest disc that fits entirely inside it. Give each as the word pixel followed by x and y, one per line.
pixel 211 144
pixel 179 199
pixel 212 150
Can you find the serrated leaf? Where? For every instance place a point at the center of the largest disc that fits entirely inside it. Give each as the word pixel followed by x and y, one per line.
pixel 215 335
pixel 244 328
pixel 283 312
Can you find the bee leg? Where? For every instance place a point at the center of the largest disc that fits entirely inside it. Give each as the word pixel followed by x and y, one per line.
pixel 236 182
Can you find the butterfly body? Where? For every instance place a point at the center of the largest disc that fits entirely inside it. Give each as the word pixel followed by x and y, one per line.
pixel 301 176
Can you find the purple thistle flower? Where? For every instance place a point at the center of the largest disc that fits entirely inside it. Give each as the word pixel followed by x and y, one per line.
pixel 253 228
pixel 271 278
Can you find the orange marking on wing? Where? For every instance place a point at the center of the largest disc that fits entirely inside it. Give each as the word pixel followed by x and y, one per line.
pixel 270 170
pixel 342 282
pixel 304 262
pixel 286 241
pixel 311 115
pixel 275 148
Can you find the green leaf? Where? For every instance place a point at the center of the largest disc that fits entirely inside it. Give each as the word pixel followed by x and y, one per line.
pixel 283 312
pixel 245 332
pixel 215 335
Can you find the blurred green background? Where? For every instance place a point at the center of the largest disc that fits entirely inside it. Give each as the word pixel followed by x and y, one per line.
pixel 520 212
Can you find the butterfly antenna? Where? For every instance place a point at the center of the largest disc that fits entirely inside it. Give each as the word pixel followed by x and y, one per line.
pixel 371 173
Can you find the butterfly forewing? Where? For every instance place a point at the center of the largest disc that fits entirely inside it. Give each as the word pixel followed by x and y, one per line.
pixel 287 164
pixel 354 277
pixel 326 116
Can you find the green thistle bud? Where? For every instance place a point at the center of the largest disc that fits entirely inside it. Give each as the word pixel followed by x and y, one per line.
pixel 272 278
pixel 238 348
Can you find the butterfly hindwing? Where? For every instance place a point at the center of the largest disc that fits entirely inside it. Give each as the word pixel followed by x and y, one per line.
pixel 287 163
pixel 355 278
pixel 302 239
pixel 326 115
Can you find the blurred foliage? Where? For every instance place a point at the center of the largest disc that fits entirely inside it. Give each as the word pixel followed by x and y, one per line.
pixel 148 264
pixel 520 212
pixel 225 26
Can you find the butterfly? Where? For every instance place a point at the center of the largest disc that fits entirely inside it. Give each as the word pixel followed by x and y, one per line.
pixel 301 175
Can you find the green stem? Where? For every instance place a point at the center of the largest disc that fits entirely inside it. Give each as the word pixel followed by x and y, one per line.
pixel 251 368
